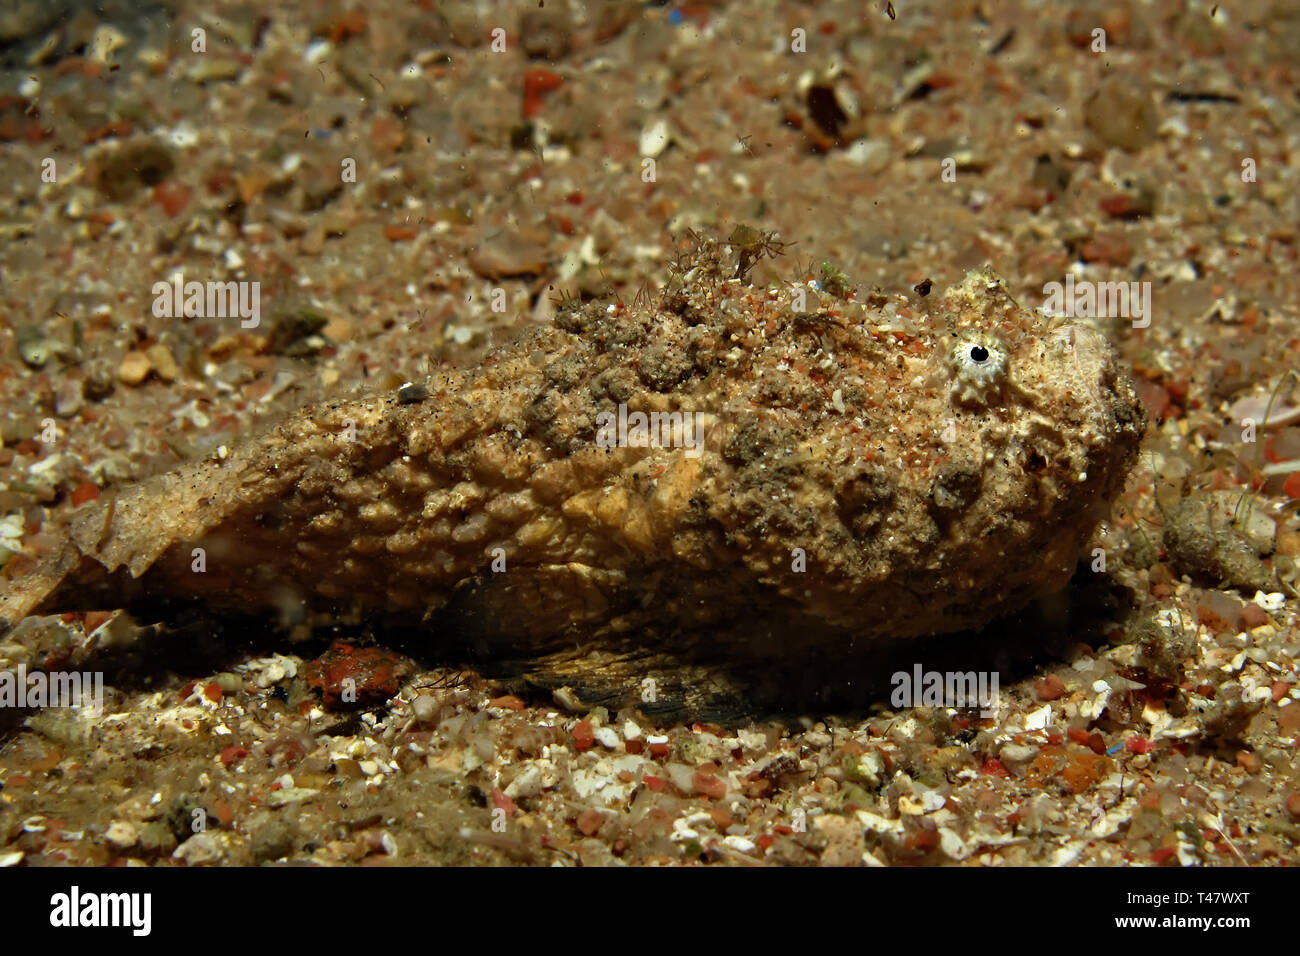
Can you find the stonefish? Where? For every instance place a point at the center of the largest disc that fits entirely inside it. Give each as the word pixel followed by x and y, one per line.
pixel 726 485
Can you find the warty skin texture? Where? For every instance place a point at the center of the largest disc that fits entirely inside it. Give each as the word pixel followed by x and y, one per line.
pixel 862 477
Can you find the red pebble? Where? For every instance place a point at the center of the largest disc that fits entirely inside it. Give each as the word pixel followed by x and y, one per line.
pixel 709 785
pixel 993 767
pixel 172 197
pixel 232 754
pixel 1118 206
pixel 1293 805
pixel 583 735
pixel 502 802
pixel 926 839
pixel 538 82
pixel 1154 398
pixel 1252 616
pixel 224 811
pixel 1292 485
pixel 86 491
pixel 1050 687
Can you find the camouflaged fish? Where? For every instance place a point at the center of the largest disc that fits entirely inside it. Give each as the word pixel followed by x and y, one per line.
pixel 731 477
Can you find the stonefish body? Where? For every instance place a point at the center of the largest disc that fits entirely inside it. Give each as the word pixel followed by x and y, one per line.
pixel 840 471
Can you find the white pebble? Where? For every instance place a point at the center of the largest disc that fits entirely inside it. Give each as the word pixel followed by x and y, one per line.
pixel 654 138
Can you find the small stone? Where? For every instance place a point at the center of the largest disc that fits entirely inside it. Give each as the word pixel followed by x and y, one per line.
pixel 288 795
pixel 845 840
pixel 199 850
pixel 424 709
pixel 121 834
pixel 1122 113
pixel 709 785
pixel 1050 687
pixel 230 683
pixel 106 41
pixel 655 138
pixel 589 821
pixel 1252 616
pixel 207 69
pixel 1083 771
pixel 507 254
pixel 545 34
pixel 269 837
pixel 348 769
pixel 1014 755
pixel 380 841
pixel 338 330
pixel 68 396
pixel 608 737
pixel 1293 805
pixel 160 357
pixel 155 837
pixel 84 492
pixel 134 368
pixel 410 393
pixel 1050 174
pixel 1106 247
pixel 312 241
pixel 874 155
pixel 527 784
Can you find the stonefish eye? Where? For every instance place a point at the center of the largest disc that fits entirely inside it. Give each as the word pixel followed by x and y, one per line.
pixel 979 364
